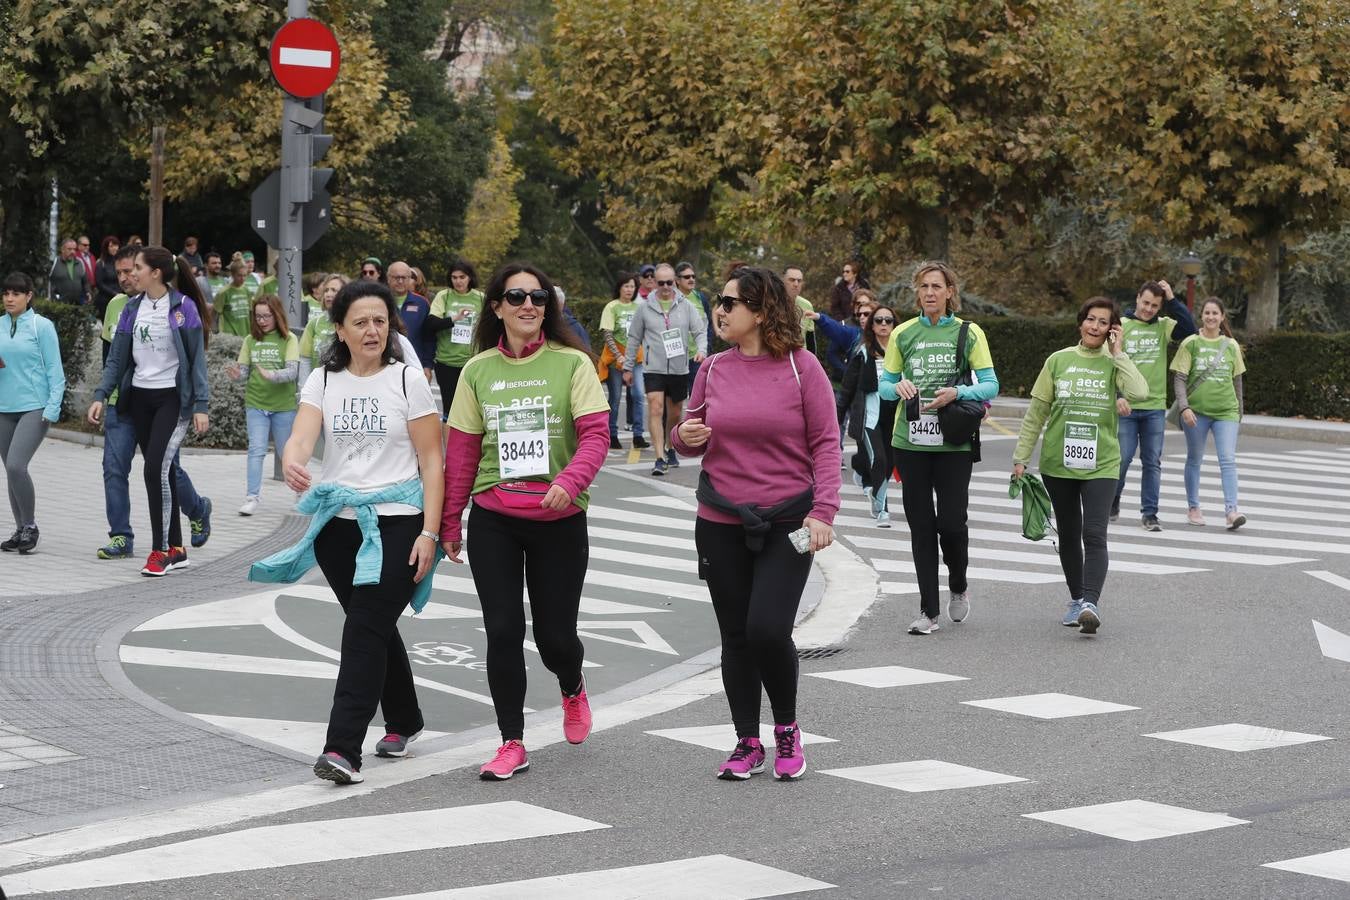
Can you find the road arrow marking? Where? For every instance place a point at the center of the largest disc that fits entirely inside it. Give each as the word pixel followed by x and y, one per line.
pixel 1334 644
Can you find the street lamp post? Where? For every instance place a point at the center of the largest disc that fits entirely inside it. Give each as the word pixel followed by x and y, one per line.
pixel 1190 267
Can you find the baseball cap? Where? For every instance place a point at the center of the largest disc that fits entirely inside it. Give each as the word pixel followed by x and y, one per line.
pixel 647 269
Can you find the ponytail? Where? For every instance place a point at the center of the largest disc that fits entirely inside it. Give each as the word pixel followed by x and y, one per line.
pixel 188 287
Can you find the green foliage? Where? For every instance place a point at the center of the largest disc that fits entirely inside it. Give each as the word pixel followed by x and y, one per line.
pixel 229 428
pixel 492 221
pixel 77 336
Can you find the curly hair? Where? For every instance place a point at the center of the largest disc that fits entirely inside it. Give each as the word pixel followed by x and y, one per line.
pixel 763 291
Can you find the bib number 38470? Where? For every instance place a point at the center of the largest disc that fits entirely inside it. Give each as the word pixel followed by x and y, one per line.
pixel 1080 446
pixel 522 441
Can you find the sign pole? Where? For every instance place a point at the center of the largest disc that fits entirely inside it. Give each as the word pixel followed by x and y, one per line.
pixel 290 225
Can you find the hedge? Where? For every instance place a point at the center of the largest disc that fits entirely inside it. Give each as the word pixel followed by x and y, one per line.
pixel 77 336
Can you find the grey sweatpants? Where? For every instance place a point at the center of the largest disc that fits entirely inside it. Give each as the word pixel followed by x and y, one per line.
pixel 20 435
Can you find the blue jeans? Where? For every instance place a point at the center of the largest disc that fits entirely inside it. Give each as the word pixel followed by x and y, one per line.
pixel 261 425
pixel 1225 445
pixel 1143 428
pixel 119 449
pixel 614 383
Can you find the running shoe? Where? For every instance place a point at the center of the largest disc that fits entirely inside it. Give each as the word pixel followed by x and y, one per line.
pixel 1088 618
pixel 640 442
pixel 788 761
pixel 958 608
pixel 12 544
pixel 1150 523
pixel 659 467
pixel 1194 516
pixel 1235 521
pixel 178 558
pixel 671 459
pixel 1071 614
pixel 250 506
pixel 201 527
pixel 119 546
pixel 614 442
pixel 335 768
pixel 1115 510
pixel 576 716
pixel 510 759
pixel 28 539
pixel 395 745
pixel 857 479
pixel 746 760
pixel 883 519
pixel 923 625
pixel 157 565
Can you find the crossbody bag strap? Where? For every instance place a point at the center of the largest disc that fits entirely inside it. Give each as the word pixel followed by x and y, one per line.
pixel 1199 376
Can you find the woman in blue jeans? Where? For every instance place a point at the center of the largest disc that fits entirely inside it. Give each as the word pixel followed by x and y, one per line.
pixel 1207 376
pixel 270 361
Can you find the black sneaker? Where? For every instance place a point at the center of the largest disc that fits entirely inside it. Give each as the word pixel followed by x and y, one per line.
pixel 333 767
pixel 394 745
pixel 1115 510
pixel 12 544
pixel 28 538
pixel 659 468
pixel 639 442
pixel 1150 523
pixel 201 528
pixel 672 460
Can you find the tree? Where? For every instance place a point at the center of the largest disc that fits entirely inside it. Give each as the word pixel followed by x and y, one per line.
pixel 1227 120
pixel 902 121
pixel 493 218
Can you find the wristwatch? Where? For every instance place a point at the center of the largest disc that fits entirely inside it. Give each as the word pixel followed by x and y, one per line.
pixel 435 538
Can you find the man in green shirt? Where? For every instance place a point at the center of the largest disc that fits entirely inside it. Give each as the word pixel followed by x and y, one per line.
pixel 234 303
pixel 216 279
pixel 793 278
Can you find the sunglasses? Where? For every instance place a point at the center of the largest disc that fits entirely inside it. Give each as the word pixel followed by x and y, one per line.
pixel 688 275
pixel 517 297
pixel 369 272
pixel 665 284
pixel 882 320
pixel 726 303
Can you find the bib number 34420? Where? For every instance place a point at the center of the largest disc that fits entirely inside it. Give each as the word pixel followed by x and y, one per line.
pixel 925 431
pixel 1080 446
pixel 522 441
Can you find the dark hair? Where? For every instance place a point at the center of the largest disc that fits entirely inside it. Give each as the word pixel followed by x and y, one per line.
pixel 312 280
pixel 130 251
pixel 338 355
pixel 681 266
pixel 462 265
pixel 379 266
pixel 869 337
pixel 763 291
pixel 624 278
pixel 109 239
pixel 729 271
pixel 211 253
pixel 273 304
pixel 18 282
pixel 1224 328
pixel 1153 288
pixel 1099 303
pixel 555 328
pixel 176 273
pixel 790 266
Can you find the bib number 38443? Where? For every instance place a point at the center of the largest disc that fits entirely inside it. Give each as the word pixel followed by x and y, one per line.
pixel 925 431
pixel 1080 446
pixel 522 441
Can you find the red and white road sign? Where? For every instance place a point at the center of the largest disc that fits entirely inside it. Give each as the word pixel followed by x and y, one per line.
pixel 305 57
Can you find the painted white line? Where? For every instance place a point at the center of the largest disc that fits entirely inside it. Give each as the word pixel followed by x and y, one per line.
pixel 850 589
pixel 309 59
pixel 977 573
pixel 895 588
pixel 647 560
pixel 639 538
pixel 1050 706
pixel 647 637
pixel 1237 738
pixel 302 737
pixel 1334 865
pixel 722 736
pixel 886 676
pixel 1136 820
pixel 631 583
pixel 922 775
pixel 1047 558
pixel 706 877
pixel 663 501
pixel 325 840
pixel 225 662
pixel 1333 643
pixel 634 518
pixel 1331 578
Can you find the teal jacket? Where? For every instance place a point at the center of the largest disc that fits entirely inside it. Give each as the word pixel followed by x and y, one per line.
pixel 324 501
pixel 32 377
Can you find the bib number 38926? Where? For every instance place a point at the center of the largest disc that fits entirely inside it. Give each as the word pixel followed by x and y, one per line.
pixel 1080 446
pixel 925 431
pixel 522 441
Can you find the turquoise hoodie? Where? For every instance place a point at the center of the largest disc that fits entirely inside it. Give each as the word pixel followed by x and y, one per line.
pixel 32 377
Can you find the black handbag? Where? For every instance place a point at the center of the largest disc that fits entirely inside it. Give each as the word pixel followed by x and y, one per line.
pixel 960 419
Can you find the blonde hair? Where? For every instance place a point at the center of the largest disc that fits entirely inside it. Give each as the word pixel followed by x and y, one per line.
pixel 948 275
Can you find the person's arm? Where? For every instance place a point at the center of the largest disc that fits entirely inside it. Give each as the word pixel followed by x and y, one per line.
pixel 1179 389
pixel 852 374
pixel 1237 389
pixel 287 373
pixel 1129 380
pixel 985 389
pixel 115 366
pixel 305 431
pixel 696 408
pixel 637 329
pixel 1185 326
pixel 700 330
pixel 463 453
pixel 1036 415
pixel 838 334
pixel 201 385
pixel 56 373
pixel 425 432
pixel 592 445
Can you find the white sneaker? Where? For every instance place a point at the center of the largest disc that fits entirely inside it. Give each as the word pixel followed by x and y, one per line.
pixel 923 625
pixel 250 506
pixel 883 519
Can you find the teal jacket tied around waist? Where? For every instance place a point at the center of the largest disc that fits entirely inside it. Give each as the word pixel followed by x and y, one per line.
pixel 324 501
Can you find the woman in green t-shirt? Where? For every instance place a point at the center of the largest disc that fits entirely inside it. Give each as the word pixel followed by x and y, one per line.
pixel 1207 374
pixel 320 328
pixel 1074 401
pixel 270 360
pixel 454 313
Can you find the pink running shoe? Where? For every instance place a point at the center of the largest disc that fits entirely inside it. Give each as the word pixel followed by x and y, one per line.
pixel 576 716
pixel 788 761
pixel 746 760
pixel 509 760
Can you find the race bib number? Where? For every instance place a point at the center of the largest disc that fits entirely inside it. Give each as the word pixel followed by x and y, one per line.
pixel 522 442
pixel 673 339
pixel 462 331
pixel 881 368
pixel 1080 446
pixel 925 431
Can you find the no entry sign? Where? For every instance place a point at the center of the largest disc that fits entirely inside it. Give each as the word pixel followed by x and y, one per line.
pixel 305 57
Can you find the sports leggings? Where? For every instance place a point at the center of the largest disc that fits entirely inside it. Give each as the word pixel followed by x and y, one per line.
pixel 447 379
pixel 508 554
pixel 1082 509
pixel 159 434
pixel 755 597
pixel 946 474
pixel 21 433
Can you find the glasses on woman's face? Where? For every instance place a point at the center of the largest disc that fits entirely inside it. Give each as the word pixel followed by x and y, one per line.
pixel 882 320
pixel 264 317
pixel 369 273
pixel 863 315
pixel 517 297
pixel 728 303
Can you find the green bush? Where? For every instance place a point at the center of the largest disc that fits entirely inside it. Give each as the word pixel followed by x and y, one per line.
pixel 77 335
pixel 229 428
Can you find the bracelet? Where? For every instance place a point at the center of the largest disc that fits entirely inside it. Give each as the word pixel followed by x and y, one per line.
pixel 435 538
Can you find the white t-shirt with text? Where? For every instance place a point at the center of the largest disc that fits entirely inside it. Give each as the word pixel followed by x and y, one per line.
pixel 152 346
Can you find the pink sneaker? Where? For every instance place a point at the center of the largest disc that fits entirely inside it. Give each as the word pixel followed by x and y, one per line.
pixel 746 760
pixel 509 760
pixel 788 761
pixel 576 716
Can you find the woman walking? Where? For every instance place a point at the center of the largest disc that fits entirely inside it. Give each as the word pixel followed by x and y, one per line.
pixel 453 314
pixel 871 418
pixel 320 328
pixel 270 361
pixel 376 514
pixel 527 437
pixel 233 302
pixel 1074 402
pixel 921 368
pixel 762 416
pixel 157 364
pixel 1207 377
pixel 614 321
pixel 105 274
pixel 32 384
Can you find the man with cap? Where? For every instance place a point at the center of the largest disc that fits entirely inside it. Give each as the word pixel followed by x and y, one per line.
pixel 646 280
pixel 251 278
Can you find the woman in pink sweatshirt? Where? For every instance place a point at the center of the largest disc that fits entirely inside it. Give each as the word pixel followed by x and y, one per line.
pixel 529 430
pixel 762 416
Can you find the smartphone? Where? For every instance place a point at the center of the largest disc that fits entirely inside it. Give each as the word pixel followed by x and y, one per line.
pixel 801 539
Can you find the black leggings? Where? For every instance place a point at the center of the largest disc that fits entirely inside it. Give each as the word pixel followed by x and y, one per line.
pixel 508 554
pixel 946 473
pixel 159 434
pixel 447 379
pixel 1082 508
pixel 374 666
pixel 755 597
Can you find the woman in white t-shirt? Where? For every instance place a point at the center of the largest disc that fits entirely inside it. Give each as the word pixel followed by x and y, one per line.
pixel 383 455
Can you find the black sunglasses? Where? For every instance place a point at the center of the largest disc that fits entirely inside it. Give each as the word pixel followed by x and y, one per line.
pixel 885 320
pixel 517 296
pixel 665 283
pixel 726 303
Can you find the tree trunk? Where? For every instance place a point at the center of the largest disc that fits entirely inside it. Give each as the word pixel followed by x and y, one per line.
pixel 1263 304
pixel 931 235
pixel 696 214
pixel 156 233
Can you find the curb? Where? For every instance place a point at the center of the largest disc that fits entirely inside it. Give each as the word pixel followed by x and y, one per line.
pixel 90 439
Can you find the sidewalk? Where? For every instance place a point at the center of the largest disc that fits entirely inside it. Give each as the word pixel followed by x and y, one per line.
pixel 68 478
